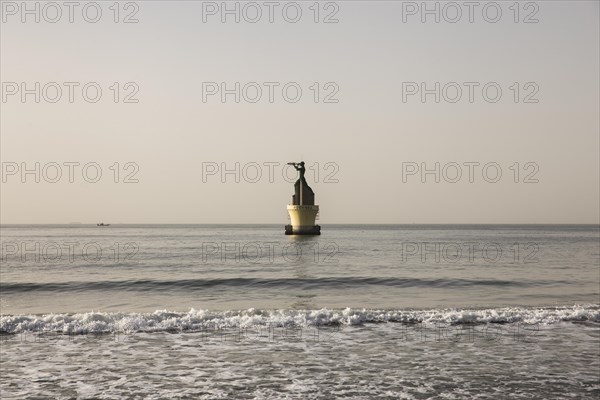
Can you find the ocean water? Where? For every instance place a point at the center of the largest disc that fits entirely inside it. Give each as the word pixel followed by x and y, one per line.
pixel 245 312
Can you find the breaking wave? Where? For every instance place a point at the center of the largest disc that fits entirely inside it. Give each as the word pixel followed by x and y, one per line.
pixel 194 320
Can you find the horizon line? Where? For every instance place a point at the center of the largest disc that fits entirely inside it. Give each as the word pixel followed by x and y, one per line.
pixel 336 223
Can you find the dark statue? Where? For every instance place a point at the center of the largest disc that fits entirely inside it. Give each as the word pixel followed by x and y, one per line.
pixel 300 168
pixel 303 194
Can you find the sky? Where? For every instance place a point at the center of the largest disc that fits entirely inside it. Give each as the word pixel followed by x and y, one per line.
pixel 485 115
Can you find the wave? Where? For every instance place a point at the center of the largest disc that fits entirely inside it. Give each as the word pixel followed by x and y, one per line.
pixel 326 282
pixel 196 320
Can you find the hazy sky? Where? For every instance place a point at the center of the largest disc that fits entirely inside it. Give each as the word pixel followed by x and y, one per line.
pixel 371 61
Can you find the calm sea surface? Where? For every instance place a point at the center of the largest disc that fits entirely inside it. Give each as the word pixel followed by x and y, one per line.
pixel 362 311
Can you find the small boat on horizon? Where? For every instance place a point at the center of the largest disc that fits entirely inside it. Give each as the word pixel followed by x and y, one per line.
pixel 102 224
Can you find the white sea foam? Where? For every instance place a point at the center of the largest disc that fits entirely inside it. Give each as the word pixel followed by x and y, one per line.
pixel 163 320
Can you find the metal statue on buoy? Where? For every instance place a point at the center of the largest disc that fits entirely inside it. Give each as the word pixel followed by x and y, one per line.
pixel 303 211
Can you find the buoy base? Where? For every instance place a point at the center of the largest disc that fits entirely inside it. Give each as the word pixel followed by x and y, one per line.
pixel 303 218
pixel 308 230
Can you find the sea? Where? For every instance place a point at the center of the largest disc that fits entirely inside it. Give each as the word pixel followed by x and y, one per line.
pixel 246 312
